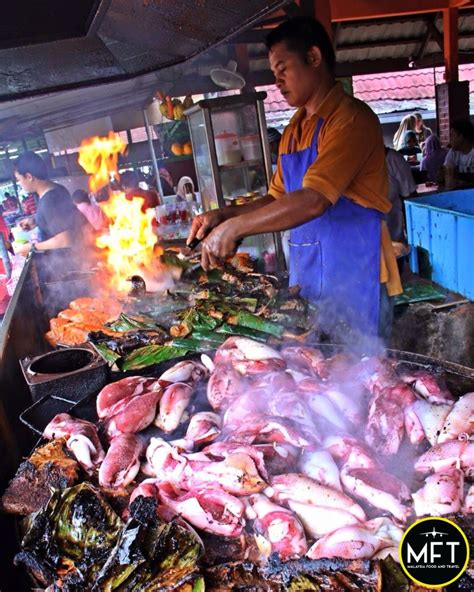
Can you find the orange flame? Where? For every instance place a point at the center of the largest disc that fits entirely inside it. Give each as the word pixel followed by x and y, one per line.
pixel 98 157
pixel 130 240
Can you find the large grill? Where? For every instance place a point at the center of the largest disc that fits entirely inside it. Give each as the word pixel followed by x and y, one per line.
pixel 43 290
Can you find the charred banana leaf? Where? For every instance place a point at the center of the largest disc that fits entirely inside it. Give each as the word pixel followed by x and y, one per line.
pixel 108 354
pixel 227 329
pixel 127 323
pixel 128 341
pixel 302 575
pixel 70 538
pixel 151 556
pixel 149 355
pixel 393 577
pixel 246 319
pixel 199 343
pixel 194 320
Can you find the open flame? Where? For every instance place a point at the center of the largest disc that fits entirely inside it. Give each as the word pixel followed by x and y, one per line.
pixel 98 157
pixel 129 242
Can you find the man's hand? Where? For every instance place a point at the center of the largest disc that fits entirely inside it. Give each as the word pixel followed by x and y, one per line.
pixel 220 243
pixel 23 249
pixel 204 223
pixel 27 224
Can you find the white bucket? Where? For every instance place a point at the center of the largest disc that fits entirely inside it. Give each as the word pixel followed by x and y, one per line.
pixel 228 148
pixel 251 147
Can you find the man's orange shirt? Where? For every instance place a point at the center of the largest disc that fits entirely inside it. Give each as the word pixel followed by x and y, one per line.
pixel 351 162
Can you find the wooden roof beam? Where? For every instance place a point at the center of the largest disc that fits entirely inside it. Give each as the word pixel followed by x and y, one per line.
pixel 342 10
pixel 451 53
pixel 426 39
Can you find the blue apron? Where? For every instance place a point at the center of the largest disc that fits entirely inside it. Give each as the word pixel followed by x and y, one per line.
pixel 335 258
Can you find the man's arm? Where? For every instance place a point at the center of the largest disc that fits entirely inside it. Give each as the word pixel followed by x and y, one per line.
pixel 61 240
pixel 291 210
pixel 204 223
pixel 449 177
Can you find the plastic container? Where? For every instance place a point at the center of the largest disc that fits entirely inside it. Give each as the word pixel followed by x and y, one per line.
pixel 443 225
pixel 20 235
pixel 228 148
pixel 250 145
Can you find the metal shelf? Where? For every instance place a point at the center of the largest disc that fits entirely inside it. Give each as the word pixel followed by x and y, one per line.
pixel 241 165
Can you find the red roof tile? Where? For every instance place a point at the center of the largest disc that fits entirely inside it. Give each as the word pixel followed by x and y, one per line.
pixel 411 84
pixel 382 90
pixel 274 100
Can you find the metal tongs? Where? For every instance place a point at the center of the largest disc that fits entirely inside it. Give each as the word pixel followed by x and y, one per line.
pixel 194 243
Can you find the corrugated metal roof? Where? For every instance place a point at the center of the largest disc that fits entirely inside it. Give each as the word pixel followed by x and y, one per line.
pixel 391 36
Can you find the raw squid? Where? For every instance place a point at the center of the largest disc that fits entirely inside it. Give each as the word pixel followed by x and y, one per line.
pixel 122 461
pixel 248 357
pixel 204 427
pixel 425 420
pixel 211 510
pixel 83 440
pixel 379 489
pixel 460 419
pixel 441 494
pixel 276 528
pixel 122 389
pixel 357 542
pixel 173 403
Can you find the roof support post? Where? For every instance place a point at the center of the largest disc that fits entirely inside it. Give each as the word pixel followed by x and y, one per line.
pixel 322 11
pixel 451 46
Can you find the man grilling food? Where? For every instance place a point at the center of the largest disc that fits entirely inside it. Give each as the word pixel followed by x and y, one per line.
pixel 330 188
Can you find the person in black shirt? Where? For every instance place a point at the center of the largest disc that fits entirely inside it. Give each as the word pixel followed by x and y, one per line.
pixel 60 223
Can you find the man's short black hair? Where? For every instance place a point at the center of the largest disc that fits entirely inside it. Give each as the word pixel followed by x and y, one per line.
pixel 129 179
pixel 30 162
pixel 300 34
pixel 465 128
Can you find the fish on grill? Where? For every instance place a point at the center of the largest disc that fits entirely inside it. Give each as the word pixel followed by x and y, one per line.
pixel 49 467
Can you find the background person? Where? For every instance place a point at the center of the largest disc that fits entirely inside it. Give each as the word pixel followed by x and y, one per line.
pixel 129 181
pixel 60 224
pixel 29 204
pixel 433 159
pixel 91 211
pixel 400 186
pixel 421 130
pixel 274 138
pixel 410 146
pixel 407 124
pixel 459 163
pixel 10 203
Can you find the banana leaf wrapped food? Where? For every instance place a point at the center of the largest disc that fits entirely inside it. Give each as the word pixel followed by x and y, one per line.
pixel 79 544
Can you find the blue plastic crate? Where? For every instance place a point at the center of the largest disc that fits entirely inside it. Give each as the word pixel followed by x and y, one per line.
pixel 443 224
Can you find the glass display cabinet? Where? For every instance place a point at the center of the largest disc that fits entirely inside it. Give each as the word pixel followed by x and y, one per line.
pixel 233 164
